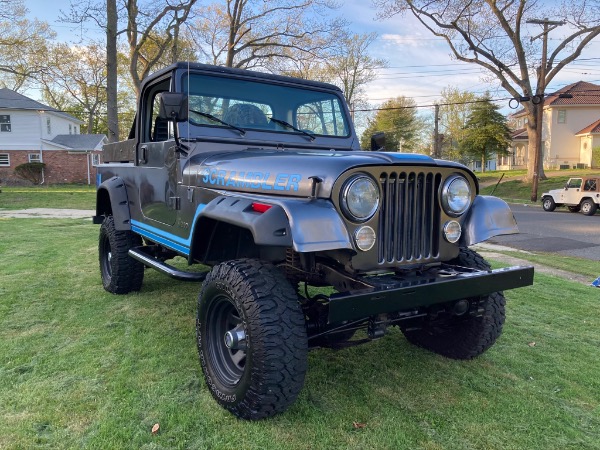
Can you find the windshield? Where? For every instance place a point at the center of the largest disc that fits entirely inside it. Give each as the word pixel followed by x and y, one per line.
pixel 250 105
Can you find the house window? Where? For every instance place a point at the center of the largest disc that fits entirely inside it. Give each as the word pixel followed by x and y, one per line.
pixel 70 129
pixel 95 159
pixel 48 125
pixel 562 116
pixel 34 157
pixel 4 160
pixel 5 123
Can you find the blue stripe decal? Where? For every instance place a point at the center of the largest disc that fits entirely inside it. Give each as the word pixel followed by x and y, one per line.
pixel 165 238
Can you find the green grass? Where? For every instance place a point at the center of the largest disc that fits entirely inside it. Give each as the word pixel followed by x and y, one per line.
pixel 514 188
pixel 580 266
pixel 59 197
pixel 80 368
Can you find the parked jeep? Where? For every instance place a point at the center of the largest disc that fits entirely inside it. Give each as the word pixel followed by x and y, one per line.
pixel 260 177
pixel 579 194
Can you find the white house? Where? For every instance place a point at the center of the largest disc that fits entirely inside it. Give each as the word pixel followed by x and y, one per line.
pixel 33 132
pixel 570 130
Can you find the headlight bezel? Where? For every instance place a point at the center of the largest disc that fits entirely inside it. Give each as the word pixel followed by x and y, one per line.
pixel 345 192
pixel 447 203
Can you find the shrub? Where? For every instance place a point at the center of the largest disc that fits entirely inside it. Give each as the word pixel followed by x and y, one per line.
pixel 32 171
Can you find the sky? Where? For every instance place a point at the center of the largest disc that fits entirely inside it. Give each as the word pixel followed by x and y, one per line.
pixel 419 64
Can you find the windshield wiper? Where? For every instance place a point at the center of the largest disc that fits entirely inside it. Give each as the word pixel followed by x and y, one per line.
pixel 292 127
pixel 216 119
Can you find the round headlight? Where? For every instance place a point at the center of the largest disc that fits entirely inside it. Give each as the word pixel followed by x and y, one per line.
pixel 456 195
pixel 360 198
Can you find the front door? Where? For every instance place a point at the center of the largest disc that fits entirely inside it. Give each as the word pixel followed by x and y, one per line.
pixel 159 161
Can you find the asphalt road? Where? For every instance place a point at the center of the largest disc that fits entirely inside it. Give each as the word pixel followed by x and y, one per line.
pixel 560 231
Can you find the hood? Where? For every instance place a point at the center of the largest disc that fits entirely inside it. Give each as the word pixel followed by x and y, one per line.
pixel 285 172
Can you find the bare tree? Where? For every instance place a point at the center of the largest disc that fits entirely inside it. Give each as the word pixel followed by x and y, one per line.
pixel 76 81
pixel 352 67
pixel 491 34
pixel 140 21
pixel 455 108
pixel 254 33
pixel 144 26
pixel 23 45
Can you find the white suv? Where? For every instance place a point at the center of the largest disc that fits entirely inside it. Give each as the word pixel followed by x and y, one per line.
pixel 579 194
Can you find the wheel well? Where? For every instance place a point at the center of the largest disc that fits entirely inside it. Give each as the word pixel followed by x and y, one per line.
pixel 103 205
pixel 215 241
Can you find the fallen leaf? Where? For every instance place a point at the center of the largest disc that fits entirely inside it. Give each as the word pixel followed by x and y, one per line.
pixel 155 428
pixel 358 425
pixel 531 344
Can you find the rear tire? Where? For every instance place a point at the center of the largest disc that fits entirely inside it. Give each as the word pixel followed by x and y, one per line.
pixel 465 336
pixel 588 207
pixel 120 273
pixel 548 204
pixel 260 372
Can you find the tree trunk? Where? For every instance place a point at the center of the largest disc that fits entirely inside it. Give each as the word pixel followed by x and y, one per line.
pixel 483 161
pixel 111 71
pixel 532 135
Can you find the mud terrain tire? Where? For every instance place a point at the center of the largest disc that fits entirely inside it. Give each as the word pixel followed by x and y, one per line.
pixel 466 336
pixel 120 273
pixel 263 373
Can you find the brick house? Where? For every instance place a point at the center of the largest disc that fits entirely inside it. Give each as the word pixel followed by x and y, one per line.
pixel 570 130
pixel 33 132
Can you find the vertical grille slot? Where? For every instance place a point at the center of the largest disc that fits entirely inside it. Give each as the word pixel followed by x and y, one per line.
pixel 409 220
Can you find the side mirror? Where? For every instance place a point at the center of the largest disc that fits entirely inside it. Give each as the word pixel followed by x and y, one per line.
pixel 173 106
pixel 378 141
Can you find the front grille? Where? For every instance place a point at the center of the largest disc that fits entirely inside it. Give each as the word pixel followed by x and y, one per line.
pixel 409 224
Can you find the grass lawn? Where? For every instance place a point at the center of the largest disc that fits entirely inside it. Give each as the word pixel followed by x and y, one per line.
pixel 59 196
pixel 80 368
pixel 514 188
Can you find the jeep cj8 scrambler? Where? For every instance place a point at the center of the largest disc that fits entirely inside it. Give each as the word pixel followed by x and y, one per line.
pixel 261 178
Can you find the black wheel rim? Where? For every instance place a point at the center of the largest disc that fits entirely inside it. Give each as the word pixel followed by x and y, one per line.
pixel 228 364
pixel 105 259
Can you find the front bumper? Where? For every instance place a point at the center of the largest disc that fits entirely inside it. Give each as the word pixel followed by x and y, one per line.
pixel 394 293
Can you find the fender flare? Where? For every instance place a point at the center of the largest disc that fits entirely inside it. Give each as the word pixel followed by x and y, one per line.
pixel 111 198
pixel 488 217
pixel 307 225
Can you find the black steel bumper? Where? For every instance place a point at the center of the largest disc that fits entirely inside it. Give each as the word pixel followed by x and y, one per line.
pixel 400 294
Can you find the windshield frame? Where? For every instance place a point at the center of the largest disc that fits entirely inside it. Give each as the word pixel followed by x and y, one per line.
pixel 254 90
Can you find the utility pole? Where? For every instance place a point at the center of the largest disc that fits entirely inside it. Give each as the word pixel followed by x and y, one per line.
pixel 549 25
pixel 436 134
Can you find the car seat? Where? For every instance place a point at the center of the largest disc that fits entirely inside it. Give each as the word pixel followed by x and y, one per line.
pixel 244 114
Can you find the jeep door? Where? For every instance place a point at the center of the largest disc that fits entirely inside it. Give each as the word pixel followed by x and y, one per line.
pixel 572 192
pixel 158 161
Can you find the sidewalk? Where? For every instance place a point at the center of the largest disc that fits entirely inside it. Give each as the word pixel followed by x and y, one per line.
pixel 47 213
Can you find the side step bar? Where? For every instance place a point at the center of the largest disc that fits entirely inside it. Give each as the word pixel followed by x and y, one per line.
pixel 148 260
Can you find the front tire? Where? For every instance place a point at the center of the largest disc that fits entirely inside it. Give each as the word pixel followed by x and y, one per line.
pixel 588 207
pixel 548 204
pixel 465 336
pixel 251 338
pixel 120 273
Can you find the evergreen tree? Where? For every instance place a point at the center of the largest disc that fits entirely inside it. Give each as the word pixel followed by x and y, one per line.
pixel 402 126
pixel 486 133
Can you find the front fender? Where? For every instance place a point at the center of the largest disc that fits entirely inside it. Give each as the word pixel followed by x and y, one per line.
pixel 488 217
pixel 307 225
pixel 111 199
